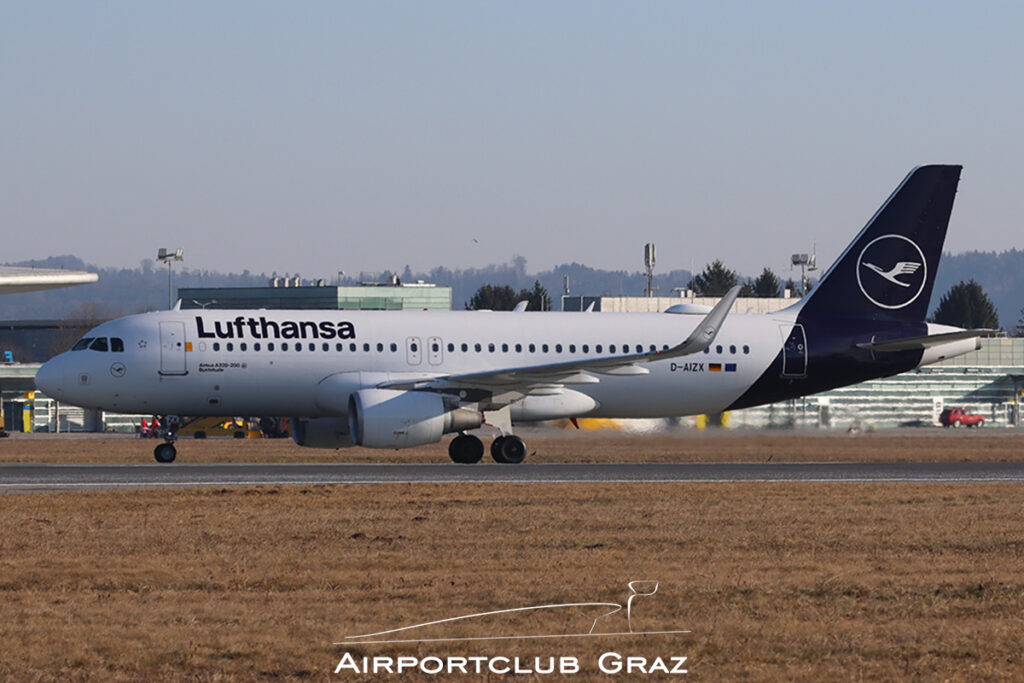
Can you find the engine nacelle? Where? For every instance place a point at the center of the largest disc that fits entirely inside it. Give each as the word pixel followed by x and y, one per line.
pixel 321 432
pixel 386 418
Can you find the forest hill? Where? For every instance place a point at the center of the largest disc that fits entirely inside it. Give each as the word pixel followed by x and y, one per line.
pixel 261 328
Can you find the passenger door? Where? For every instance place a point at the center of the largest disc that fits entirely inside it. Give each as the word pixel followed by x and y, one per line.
pixel 794 352
pixel 172 348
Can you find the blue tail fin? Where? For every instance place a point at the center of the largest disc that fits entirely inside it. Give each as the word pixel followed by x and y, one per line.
pixel 887 273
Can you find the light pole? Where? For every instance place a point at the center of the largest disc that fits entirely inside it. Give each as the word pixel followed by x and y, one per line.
pixel 169 257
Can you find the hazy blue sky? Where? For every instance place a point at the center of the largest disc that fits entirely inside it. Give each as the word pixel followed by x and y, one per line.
pixel 314 137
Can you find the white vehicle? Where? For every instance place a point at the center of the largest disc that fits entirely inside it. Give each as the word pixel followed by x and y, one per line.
pixel 403 379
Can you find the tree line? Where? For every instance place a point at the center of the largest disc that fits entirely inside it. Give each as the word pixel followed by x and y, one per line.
pixel 965 305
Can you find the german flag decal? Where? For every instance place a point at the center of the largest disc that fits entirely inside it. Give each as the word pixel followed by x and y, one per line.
pixel 714 367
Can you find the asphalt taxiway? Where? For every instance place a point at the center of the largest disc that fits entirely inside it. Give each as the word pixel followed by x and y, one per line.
pixel 22 477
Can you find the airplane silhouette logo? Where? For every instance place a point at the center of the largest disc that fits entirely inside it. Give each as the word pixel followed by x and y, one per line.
pixel 901 268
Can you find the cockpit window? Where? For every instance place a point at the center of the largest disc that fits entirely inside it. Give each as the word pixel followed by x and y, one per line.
pixel 117 344
pixel 99 344
pixel 82 344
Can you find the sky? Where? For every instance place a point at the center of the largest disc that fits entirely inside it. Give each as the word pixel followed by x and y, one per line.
pixel 317 137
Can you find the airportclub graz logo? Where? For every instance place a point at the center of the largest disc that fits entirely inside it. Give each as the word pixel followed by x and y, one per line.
pixel 891 271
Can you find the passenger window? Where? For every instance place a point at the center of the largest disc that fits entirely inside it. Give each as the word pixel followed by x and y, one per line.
pixel 327 347
pixel 230 346
pixel 558 348
pixel 664 347
pixel 504 348
pixel 490 348
pixel 82 344
pixel 256 346
pixel 414 347
pixel 611 348
pixel 339 347
pixel 464 347
pixel 270 346
pixel 435 347
pixel 284 346
pixel 533 349
pixel 718 349
pixel 544 348
pixel 451 347
pixel 394 347
pixel 242 346
pixel 99 344
pixel 477 347
pixel 732 349
pixel 639 348
pixel 586 348
pixel 366 347
pixel 707 350
pixel 746 349
pixel 572 348
pixel 298 346
pixel 519 348
pixel 116 345
pixel 653 348
pixel 352 347
pixel 216 346
pixel 380 347
pixel 597 348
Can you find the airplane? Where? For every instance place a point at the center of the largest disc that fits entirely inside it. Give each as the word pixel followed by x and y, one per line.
pixel 405 378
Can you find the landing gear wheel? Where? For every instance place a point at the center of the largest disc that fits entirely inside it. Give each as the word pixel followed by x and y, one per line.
pixel 508 450
pixel 165 452
pixel 466 449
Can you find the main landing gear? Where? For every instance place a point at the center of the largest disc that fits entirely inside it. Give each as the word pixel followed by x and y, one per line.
pixel 166 452
pixel 467 449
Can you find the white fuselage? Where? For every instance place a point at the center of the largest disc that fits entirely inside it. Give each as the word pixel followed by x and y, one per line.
pixel 271 362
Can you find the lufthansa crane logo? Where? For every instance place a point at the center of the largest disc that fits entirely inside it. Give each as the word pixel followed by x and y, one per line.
pixel 891 271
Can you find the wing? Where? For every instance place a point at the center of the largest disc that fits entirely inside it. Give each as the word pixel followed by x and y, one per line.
pixel 522 378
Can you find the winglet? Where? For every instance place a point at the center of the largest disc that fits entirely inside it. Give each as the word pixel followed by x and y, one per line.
pixel 521 306
pixel 704 334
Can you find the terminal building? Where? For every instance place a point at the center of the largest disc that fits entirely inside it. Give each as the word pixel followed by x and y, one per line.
pixel 292 293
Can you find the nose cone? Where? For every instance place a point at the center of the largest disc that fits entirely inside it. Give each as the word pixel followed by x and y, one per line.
pixel 50 377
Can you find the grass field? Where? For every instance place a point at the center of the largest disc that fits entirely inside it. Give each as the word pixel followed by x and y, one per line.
pixel 774 581
pixel 548 445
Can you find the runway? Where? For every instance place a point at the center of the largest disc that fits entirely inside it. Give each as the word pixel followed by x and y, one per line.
pixel 27 477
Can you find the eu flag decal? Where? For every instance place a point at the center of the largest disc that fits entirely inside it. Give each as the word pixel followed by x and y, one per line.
pixel 714 367
pixel 730 367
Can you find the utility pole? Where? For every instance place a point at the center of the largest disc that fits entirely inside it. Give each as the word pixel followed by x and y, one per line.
pixel 168 258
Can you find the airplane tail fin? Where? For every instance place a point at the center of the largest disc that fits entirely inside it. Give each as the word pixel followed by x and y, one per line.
pixel 888 271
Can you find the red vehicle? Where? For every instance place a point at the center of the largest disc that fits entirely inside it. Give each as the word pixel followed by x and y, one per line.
pixel 958 417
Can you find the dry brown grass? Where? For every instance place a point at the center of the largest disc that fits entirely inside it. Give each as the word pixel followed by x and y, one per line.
pixel 776 581
pixel 548 445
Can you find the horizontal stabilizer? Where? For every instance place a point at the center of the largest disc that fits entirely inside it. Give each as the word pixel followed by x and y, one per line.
pixel 924 342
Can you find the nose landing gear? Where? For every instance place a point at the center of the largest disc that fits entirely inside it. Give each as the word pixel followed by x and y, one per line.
pixel 166 452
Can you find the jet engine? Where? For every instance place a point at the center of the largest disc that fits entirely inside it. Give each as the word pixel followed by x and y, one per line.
pixel 321 432
pixel 387 418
